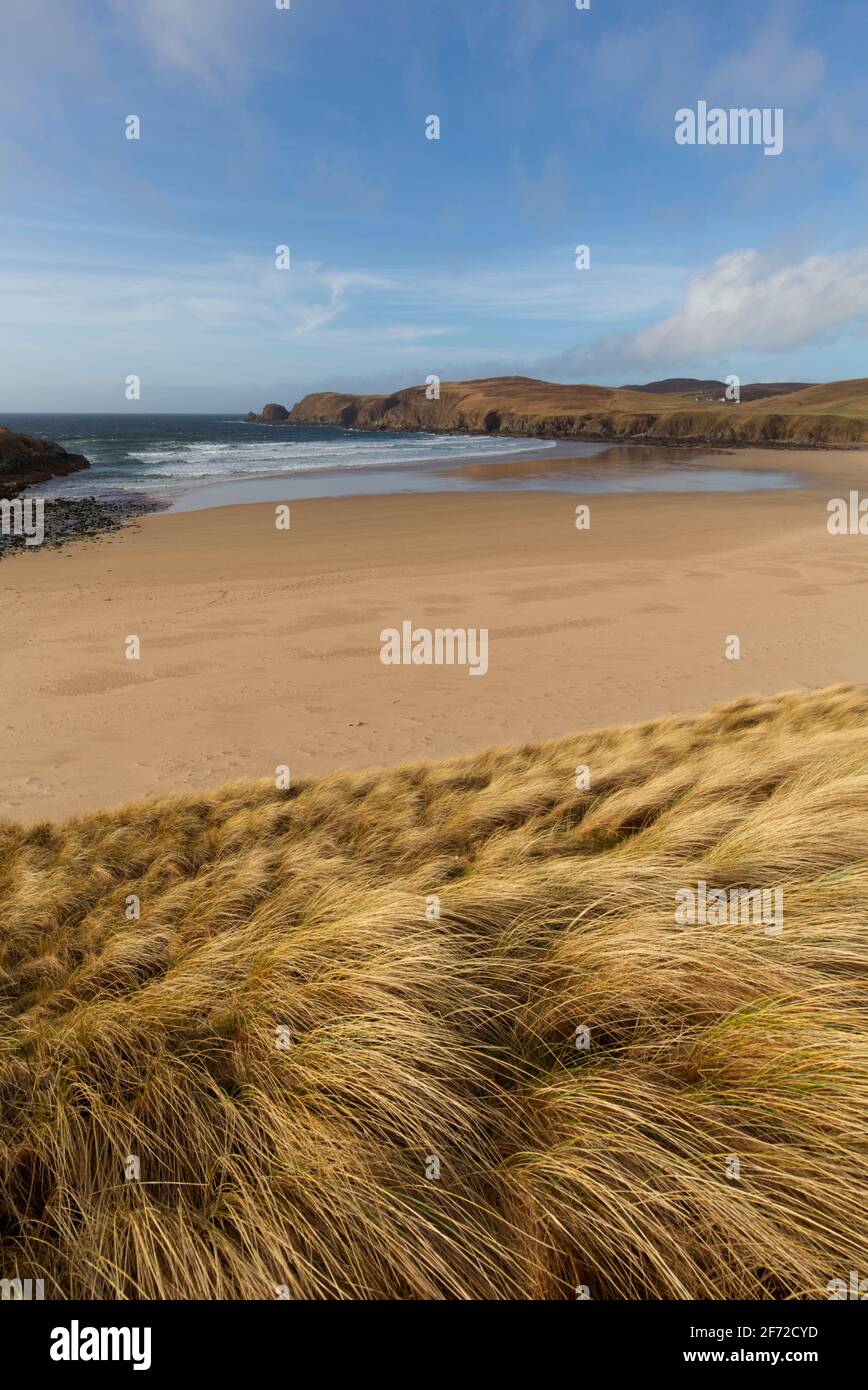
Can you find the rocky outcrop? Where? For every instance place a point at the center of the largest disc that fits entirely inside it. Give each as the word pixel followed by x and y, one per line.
pixel 834 414
pixel 25 460
pixel 269 415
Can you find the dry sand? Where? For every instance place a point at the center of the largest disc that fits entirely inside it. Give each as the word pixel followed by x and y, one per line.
pixel 261 647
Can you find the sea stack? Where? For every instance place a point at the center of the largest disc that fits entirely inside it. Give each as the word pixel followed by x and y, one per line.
pixel 269 415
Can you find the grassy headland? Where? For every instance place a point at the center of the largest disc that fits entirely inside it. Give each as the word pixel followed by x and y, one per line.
pixel 819 416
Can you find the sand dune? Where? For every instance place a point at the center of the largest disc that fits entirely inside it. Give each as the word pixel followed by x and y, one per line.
pixel 437 1032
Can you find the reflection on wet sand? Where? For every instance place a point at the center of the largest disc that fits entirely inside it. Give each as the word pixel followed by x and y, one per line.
pixel 563 466
pixel 620 468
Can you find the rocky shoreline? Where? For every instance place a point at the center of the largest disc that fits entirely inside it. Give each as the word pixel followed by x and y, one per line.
pixel 66 520
pixel 26 460
pixel 28 523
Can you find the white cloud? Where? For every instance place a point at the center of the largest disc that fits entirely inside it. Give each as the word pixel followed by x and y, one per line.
pixel 746 303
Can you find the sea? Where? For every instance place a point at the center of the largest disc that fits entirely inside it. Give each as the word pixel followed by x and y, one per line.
pixel 186 462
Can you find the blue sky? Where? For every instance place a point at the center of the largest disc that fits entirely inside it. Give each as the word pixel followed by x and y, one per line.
pixel 262 127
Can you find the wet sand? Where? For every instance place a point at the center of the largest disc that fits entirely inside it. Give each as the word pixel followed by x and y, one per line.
pixel 561 465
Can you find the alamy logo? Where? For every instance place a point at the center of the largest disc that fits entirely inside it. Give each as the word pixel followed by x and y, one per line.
pixel 22 1290
pixel 737 126
pixel 445 646
pixel 857 1288
pixel 740 907
pixel 847 518
pixel 23 516
pixel 77 1343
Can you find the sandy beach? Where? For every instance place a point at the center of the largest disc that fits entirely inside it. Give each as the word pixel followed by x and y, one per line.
pixel 260 647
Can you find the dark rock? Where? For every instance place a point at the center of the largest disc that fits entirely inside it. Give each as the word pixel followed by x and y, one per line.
pixel 25 460
pixel 77 519
pixel 271 415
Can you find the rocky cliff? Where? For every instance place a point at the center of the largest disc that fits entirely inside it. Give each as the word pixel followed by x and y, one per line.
pixel 25 460
pixel 834 414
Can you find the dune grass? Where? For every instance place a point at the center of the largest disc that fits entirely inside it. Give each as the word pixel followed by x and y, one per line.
pixel 289 1040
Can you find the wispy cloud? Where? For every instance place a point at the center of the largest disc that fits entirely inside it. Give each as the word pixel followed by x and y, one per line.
pixel 74 293
pixel 213 44
pixel 772 68
pixel 341 288
pixel 548 287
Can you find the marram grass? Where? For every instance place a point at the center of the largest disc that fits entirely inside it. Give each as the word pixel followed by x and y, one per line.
pixel 284 1041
